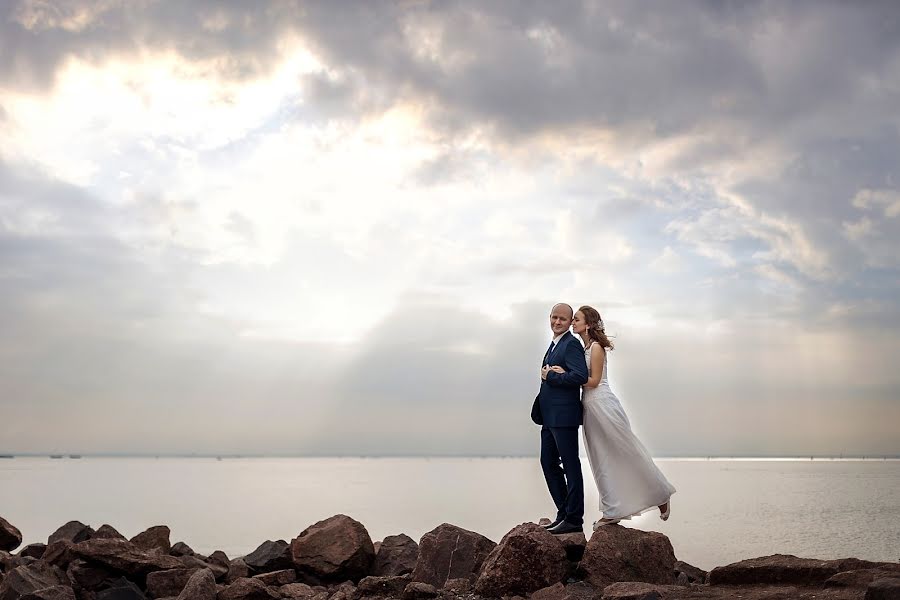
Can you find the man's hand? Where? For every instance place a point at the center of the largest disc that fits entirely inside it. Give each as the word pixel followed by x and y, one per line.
pixel 544 371
pixel 557 369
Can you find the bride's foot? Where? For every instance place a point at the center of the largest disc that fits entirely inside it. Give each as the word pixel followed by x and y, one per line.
pixel 664 511
pixel 604 521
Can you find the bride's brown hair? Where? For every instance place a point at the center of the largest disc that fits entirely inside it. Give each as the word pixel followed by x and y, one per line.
pixel 595 329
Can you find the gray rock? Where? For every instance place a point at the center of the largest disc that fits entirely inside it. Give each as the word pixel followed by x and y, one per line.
pixel 169 582
pixel 632 590
pixel 181 549
pixel 121 589
pixel 56 592
pixel 33 550
pixel 237 569
pixel 883 589
pixel 121 555
pixel 418 590
pixel 270 556
pixel 107 532
pixel 85 576
pixel 389 585
pixel 248 589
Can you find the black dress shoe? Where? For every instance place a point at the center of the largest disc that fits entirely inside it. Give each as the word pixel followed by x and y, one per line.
pixel 553 524
pixel 565 527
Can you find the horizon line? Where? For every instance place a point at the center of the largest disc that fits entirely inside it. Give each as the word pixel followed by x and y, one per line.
pixel 234 455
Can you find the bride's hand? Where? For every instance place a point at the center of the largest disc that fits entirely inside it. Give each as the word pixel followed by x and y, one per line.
pixel 557 369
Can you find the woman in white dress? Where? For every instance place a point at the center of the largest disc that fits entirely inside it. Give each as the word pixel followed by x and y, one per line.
pixel 627 478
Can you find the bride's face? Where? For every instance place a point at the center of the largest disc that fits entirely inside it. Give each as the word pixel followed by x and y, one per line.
pixel 579 325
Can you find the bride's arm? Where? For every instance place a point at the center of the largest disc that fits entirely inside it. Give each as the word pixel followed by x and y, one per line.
pixel 597 358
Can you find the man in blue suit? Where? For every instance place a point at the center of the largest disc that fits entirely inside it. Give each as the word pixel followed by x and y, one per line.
pixel 558 408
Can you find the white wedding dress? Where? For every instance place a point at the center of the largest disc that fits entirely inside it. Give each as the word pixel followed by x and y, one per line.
pixel 628 480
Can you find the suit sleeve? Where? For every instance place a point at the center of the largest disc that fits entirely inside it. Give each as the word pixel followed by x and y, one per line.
pixel 575 366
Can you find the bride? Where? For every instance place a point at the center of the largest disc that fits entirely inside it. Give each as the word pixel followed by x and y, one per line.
pixel 628 480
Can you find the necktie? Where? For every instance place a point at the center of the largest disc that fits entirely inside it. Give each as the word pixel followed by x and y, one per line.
pixel 549 350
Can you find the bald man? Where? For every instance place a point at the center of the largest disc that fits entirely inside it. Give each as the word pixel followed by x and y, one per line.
pixel 557 408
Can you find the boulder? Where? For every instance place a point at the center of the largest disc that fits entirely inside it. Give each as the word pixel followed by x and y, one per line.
pixel 527 559
pixel 574 545
pixel 181 549
pixel 691 573
pixel 785 569
pixel 861 578
pixel 33 550
pixel 387 585
pixel 345 591
pixel 632 590
pixel 73 531
pixel 58 553
pixel 10 536
pixel 396 555
pixel 418 590
pixel 123 556
pixel 107 532
pixel 277 578
pixel 336 549
pixel 55 592
pixel 615 553
pixel 169 582
pixel 557 591
pixel 270 556
pixel 201 586
pixel 155 538
pixel 218 563
pixel 248 589
pixel 121 589
pixel 84 576
pixel 883 589
pixel 297 590
pixel 450 552
pixel 29 578
pixel 237 569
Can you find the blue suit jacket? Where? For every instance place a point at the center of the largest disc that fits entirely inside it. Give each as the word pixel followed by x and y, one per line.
pixel 559 400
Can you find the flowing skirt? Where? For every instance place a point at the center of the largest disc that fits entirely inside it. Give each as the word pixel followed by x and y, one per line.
pixel 629 481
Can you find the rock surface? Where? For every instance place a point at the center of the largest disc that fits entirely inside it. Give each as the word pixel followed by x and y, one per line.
pixel 883 589
pixel 56 592
pixel 121 555
pixel 396 555
pixel 861 578
pixel 107 532
pixel 269 556
pixel 248 589
pixel 201 586
pixel 527 559
pixel 170 582
pixel 450 552
pixel 615 553
pixel 73 531
pixel 29 578
pixel 10 536
pixel 336 549
pixel 785 569
pixel 155 538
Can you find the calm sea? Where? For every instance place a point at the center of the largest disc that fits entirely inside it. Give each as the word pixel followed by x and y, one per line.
pixel 723 511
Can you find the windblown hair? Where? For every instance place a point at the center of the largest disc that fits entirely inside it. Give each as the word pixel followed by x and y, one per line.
pixel 595 329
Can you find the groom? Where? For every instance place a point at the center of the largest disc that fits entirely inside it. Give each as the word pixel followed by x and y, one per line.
pixel 558 408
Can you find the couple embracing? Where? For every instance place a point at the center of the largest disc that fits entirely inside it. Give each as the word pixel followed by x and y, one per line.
pixel 574 392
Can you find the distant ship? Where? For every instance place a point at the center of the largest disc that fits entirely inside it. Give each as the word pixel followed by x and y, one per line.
pixel 74 456
pixel 7 456
pixel 56 456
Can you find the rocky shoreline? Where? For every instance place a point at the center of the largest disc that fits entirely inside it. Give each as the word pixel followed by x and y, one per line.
pixel 336 559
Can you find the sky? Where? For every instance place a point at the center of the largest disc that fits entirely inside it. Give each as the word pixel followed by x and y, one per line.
pixel 338 228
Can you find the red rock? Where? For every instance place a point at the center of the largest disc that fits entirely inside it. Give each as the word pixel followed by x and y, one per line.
pixel 527 559
pixel 30 578
pixel 396 555
pixel 56 592
pixel 201 586
pixel 84 576
pixel 10 536
pixel 181 549
pixel 155 538
pixel 269 556
pixel 557 591
pixel 785 569
pixel 883 589
pixel 237 569
pixel 615 553
pixel 418 590
pixel 335 549
pixel 58 553
pixel 170 582
pixel 388 585
pixel 631 590
pixel 33 550
pixel 450 552
pixel 297 590
pixel 248 589
pixel 107 532
pixel 123 556
pixel 73 531
pixel 277 578
pixel 861 578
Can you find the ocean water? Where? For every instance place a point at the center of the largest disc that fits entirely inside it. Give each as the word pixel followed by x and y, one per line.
pixel 723 511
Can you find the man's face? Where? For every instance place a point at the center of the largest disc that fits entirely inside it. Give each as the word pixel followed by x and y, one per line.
pixel 560 319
